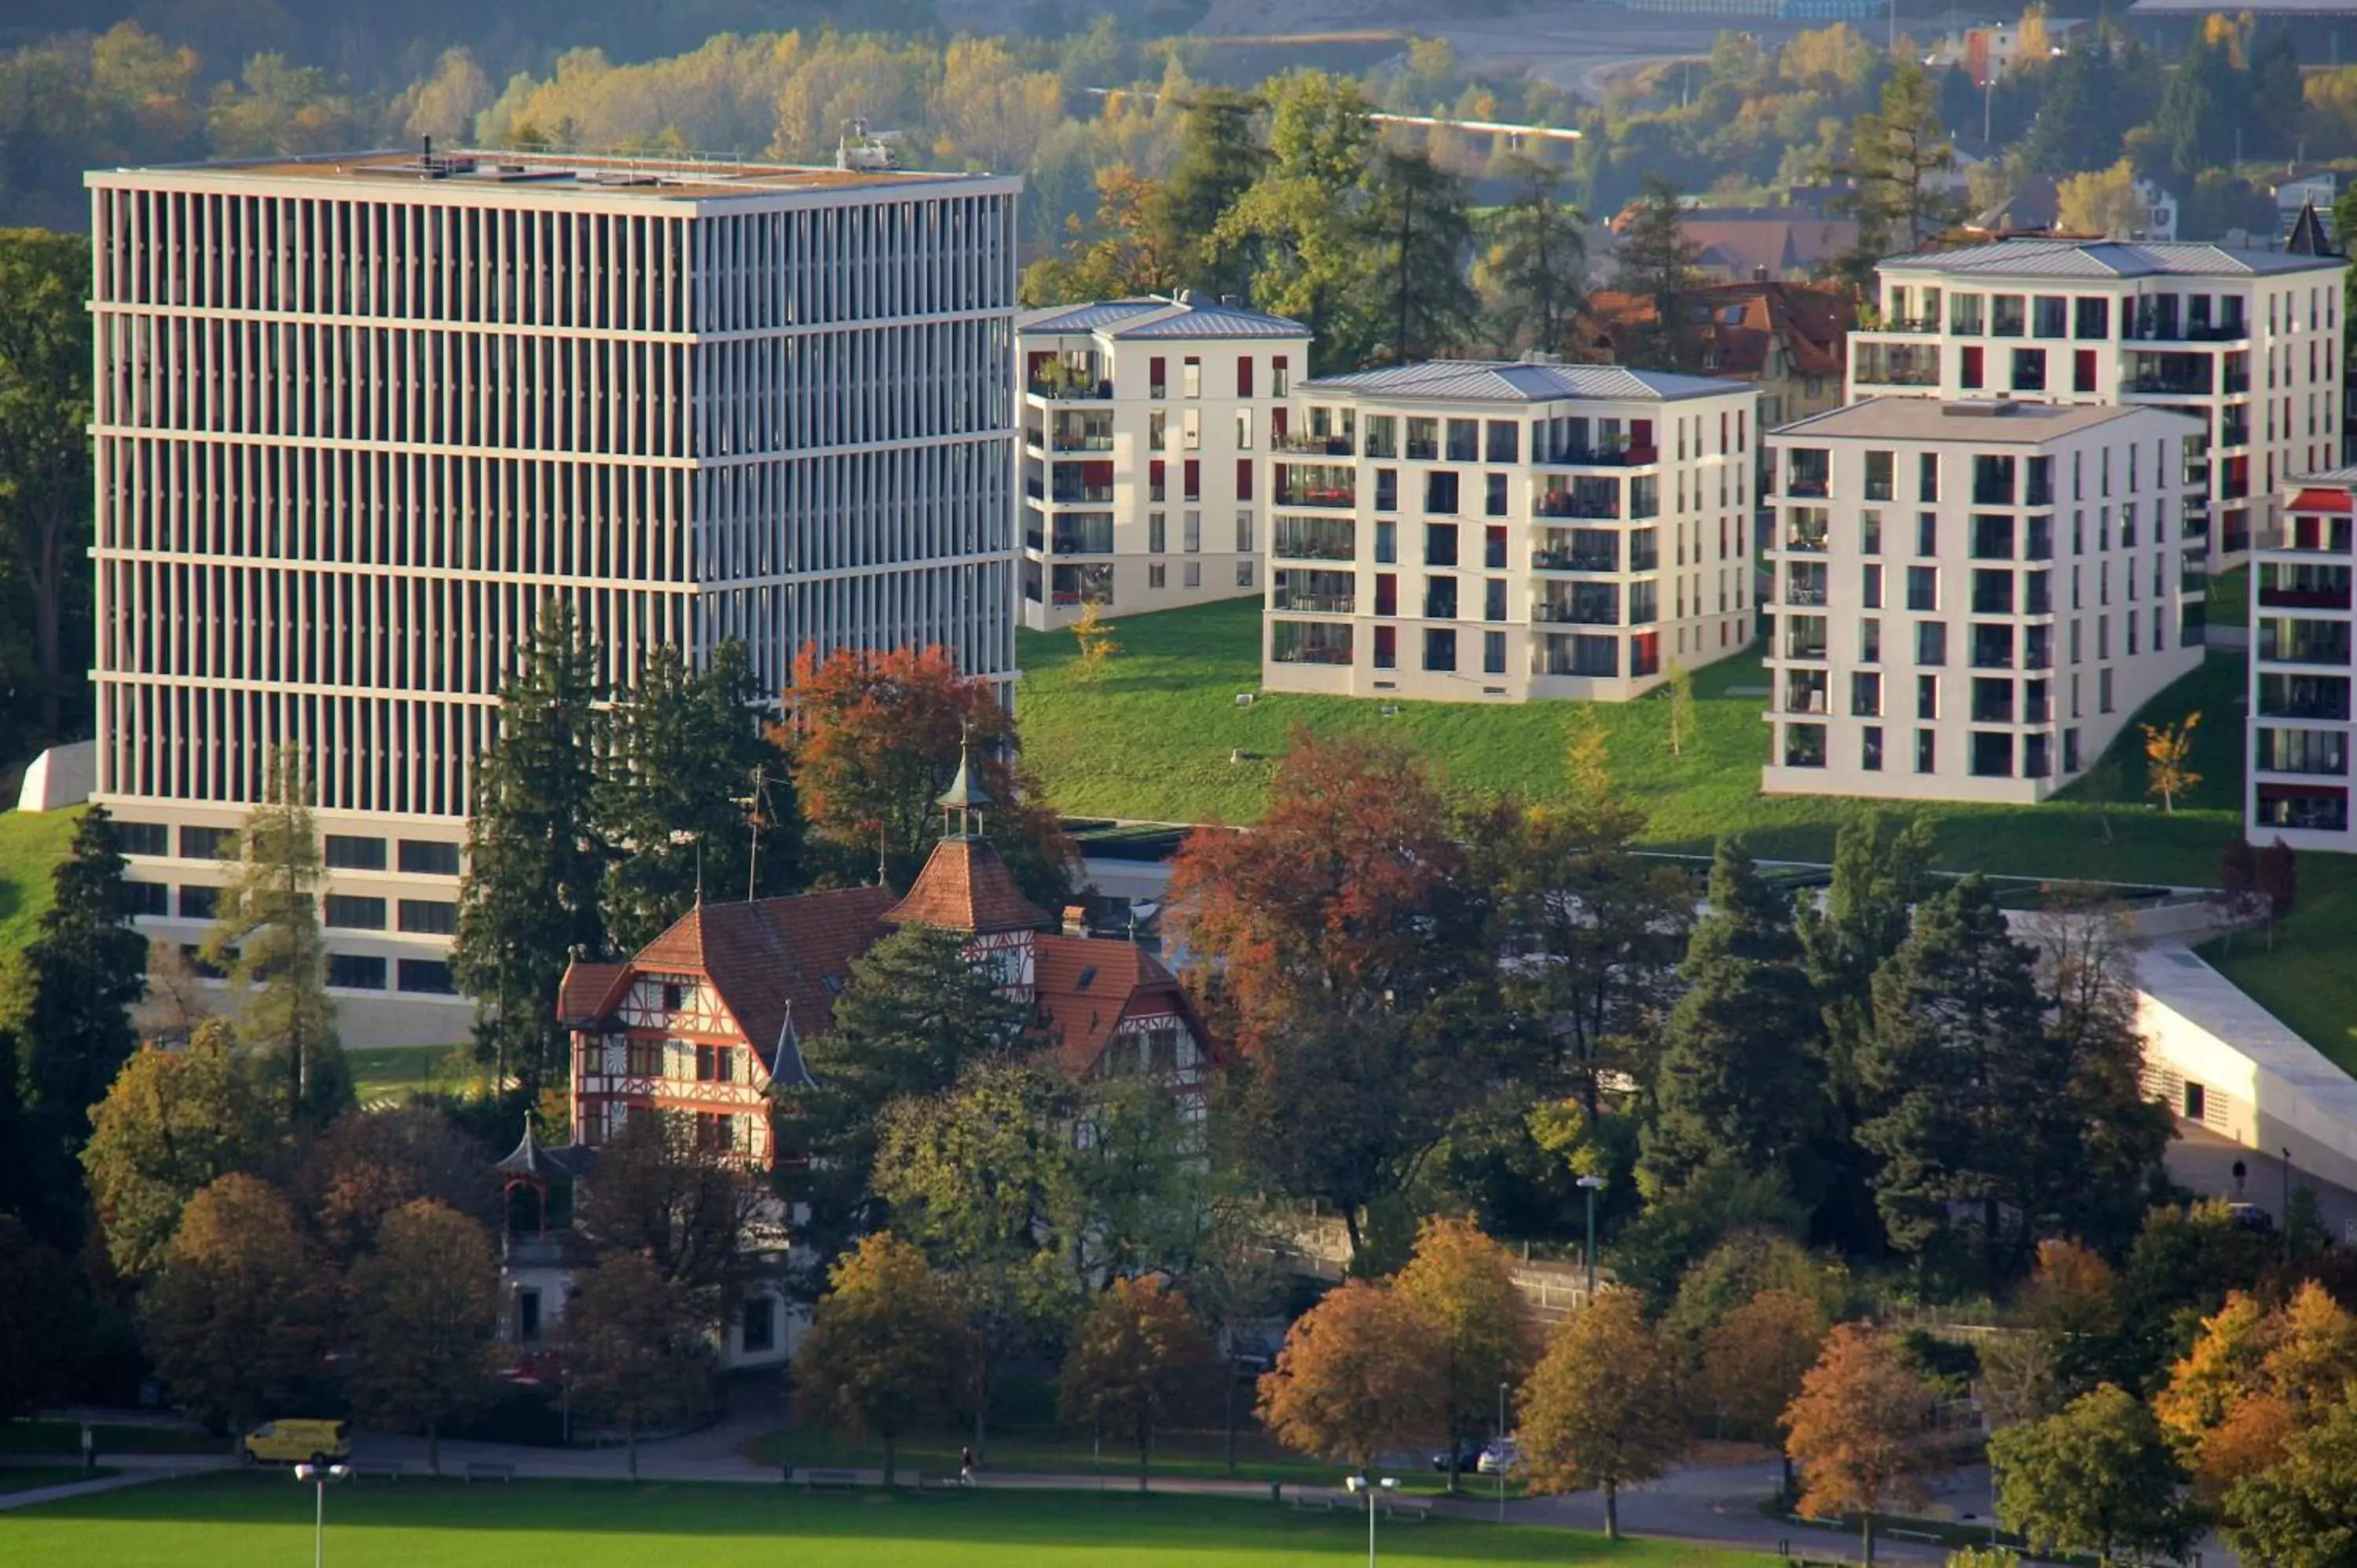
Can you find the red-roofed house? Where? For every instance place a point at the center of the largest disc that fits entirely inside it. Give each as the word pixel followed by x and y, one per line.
pixel 1787 339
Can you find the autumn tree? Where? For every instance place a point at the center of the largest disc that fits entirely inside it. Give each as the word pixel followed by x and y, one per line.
pixel 914 1016
pixel 1118 256
pixel 2094 1479
pixel 686 1209
pixel 425 1313
pixel 172 1123
pixel 1461 1285
pixel 530 901
pixel 1533 274
pixel 2300 1511
pixel 888 1351
pixel 635 1348
pixel 1602 1409
pixel 44 1313
pixel 1753 1362
pixel 266 935
pixel 2102 201
pixel 873 739
pixel 1355 1377
pixel 2167 754
pixel 1681 707
pixel 2254 1377
pixel 237 1318
pixel 1138 1358
pixel 65 1028
pixel 1094 643
pixel 1855 1430
pixel 363 1169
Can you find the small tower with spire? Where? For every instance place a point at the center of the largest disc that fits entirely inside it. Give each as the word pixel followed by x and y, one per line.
pixel 966 887
pixel 965 802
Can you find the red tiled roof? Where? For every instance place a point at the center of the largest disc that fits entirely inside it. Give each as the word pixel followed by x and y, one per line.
pixel 966 887
pixel 1087 986
pixel 581 996
pixel 775 955
pixel 1811 321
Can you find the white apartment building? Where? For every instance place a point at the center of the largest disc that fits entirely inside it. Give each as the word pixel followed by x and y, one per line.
pixel 2300 709
pixel 1973 598
pixel 1468 530
pixel 359 417
pixel 1145 423
pixel 2247 342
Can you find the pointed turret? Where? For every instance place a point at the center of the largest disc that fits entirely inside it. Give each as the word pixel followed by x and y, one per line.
pixel 965 802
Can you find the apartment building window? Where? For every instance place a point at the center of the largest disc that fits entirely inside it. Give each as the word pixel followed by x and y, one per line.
pixel 1870 587
pixel 1157 431
pixel 1439 648
pixel 352 971
pixel 1279 381
pixel 1494 599
pixel 1157 481
pixel 1869 533
pixel 1869 642
pixel 1194 479
pixel 143 838
pixel 1158 377
pixel 1493 548
pixel 1927 533
pixel 1923 587
pixel 1441 492
pixel 1387 647
pixel 716 1064
pixel 1464 440
pixel 1243 375
pixel 1387 489
pixel 1804 746
pixel 430 976
pixel 1969 371
pixel 1156 576
pixel 429 917
pixel 2102 636
pixel 1244 432
pixel 1493 653
pixel 1992 754
pixel 1926 751
pixel 1964 314
pixel 345 852
pixel 2070 751
pixel 1191 377
pixel 1387 592
pixel 1927 696
pixel 1422 438
pixel 1386 541
pixel 1870 748
pixel 1191 528
pixel 1157 533
pixel 1992 701
pixel 2005 315
pixel 1866 693
pixel 1244 533
pixel 429 857
pixel 1879 483
pixel 1193 574
pixel 197 903
pixel 2082 371
pixel 1927 477
pixel 2030 370
pixel 1382 435
pixel 1505 443
pixel 350 913
pixel 1244 574
pixel 2104 690
pixel 1932 643
pixel 1494 494
pixel 1440 545
pixel 206 843
pixel 1190 433
pixel 1440 598
pixel 147 899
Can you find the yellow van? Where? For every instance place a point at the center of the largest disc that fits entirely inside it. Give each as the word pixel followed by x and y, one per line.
pixel 297 1442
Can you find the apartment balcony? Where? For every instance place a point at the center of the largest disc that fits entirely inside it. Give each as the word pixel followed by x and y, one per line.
pixel 1546 560
pixel 1875 363
pixel 1603 456
pixel 1918 325
pixel 1807 488
pixel 1336 496
pixel 2202 332
pixel 1806 541
pixel 1572 503
pixel 1074 495
pixel 2176 375
pixel 1322 446
pixel 1602 608
pixel 1809 595
pixel 2321 598
pixel 1082 441
pixel 1079 391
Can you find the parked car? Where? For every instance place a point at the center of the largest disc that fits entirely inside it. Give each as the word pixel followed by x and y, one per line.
pixel 1500 1457
pixel 298 1442
pixel 1468 1454
pixel 2250 1217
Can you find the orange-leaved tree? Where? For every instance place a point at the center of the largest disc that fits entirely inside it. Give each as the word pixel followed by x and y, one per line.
pixel 1603 1409
pixel 889 1350
pixel 1753 1361
pixel 1139 1357
pixel 1461 1283
pixel 1356 1376
pixel 2255 1377
pixel 2167 756
pixel 875 738
pixel 1857 1429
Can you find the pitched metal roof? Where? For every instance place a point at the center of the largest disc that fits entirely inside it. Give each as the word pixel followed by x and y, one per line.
pixel 1521 381
pixel 2044 258
pixel 1154 316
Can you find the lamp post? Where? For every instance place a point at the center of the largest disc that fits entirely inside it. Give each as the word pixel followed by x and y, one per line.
pixel 1591 1185
pixel 1370 1485
pixel 1502 1453
pixel 319 1476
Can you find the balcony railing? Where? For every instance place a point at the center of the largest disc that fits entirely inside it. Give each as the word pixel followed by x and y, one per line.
pixel 1077 495
pixel 1319 603
pixel 1071 391
pixel 1083 442
pixel 1807 544
pixel 1812 593
pixel 1604 457
pixel 2234 332
pixel 1808 487
pixel 1571 504
pixel 1575 561
pixel 1564 612
pixel 1913 323
pixel 1316 496
pixel 2305 598
pixel 1312 550
pixel 1300 441
pixel 2181 382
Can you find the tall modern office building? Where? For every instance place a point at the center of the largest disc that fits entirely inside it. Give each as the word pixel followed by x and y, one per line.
pixel 358 418
pixel 2247 342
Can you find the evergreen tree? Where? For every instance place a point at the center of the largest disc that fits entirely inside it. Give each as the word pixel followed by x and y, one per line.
pixel 1658 260
pixel 1220 156
pixel 1538 260
pixel 530 902
pixel 677 798
pixel 65 1023
pixel 1963 1075
pixel 1895 153
pixel 267 936
pixel 1421 234
pixel 915 1013
pixel 2272 88
pixel 1739 1081
pixel 2201 107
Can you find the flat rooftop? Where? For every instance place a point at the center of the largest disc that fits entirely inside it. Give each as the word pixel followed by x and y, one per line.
pixel 1984 421
pixel 645 178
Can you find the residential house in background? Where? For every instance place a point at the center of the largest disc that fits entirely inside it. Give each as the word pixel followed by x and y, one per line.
pixel 1145 425
pixel 360 417
pixel 2246 342
pixel 1483 531
pixel 1791 244
pixel 1970 598
pixel 2299 712
pixel 1785 338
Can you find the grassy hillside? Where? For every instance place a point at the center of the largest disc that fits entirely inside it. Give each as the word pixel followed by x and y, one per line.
pixel 30 844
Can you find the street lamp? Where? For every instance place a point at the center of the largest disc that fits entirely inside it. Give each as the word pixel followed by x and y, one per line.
pixel 1370 1485
pixel 1591 1184
pixel 320 1475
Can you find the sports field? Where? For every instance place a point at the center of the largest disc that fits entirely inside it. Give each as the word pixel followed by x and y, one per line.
pixel 245 1521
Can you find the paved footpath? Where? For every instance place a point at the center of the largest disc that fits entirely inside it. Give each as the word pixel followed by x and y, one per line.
pixel 131 1470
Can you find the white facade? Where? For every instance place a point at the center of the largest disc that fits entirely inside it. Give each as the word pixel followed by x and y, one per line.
pixel 1145 425
pixel 358 418
pixel 1972 599
pixel 2248 342
pixel 2299 696
pixel 1478 532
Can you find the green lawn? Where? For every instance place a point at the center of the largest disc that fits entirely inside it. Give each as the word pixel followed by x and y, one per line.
pixel 30 844
pixel 232 1521
pixel 30 1478
pixel 2309 980
pixel 1152 738
pixel 387 1072
pixel 2228 598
